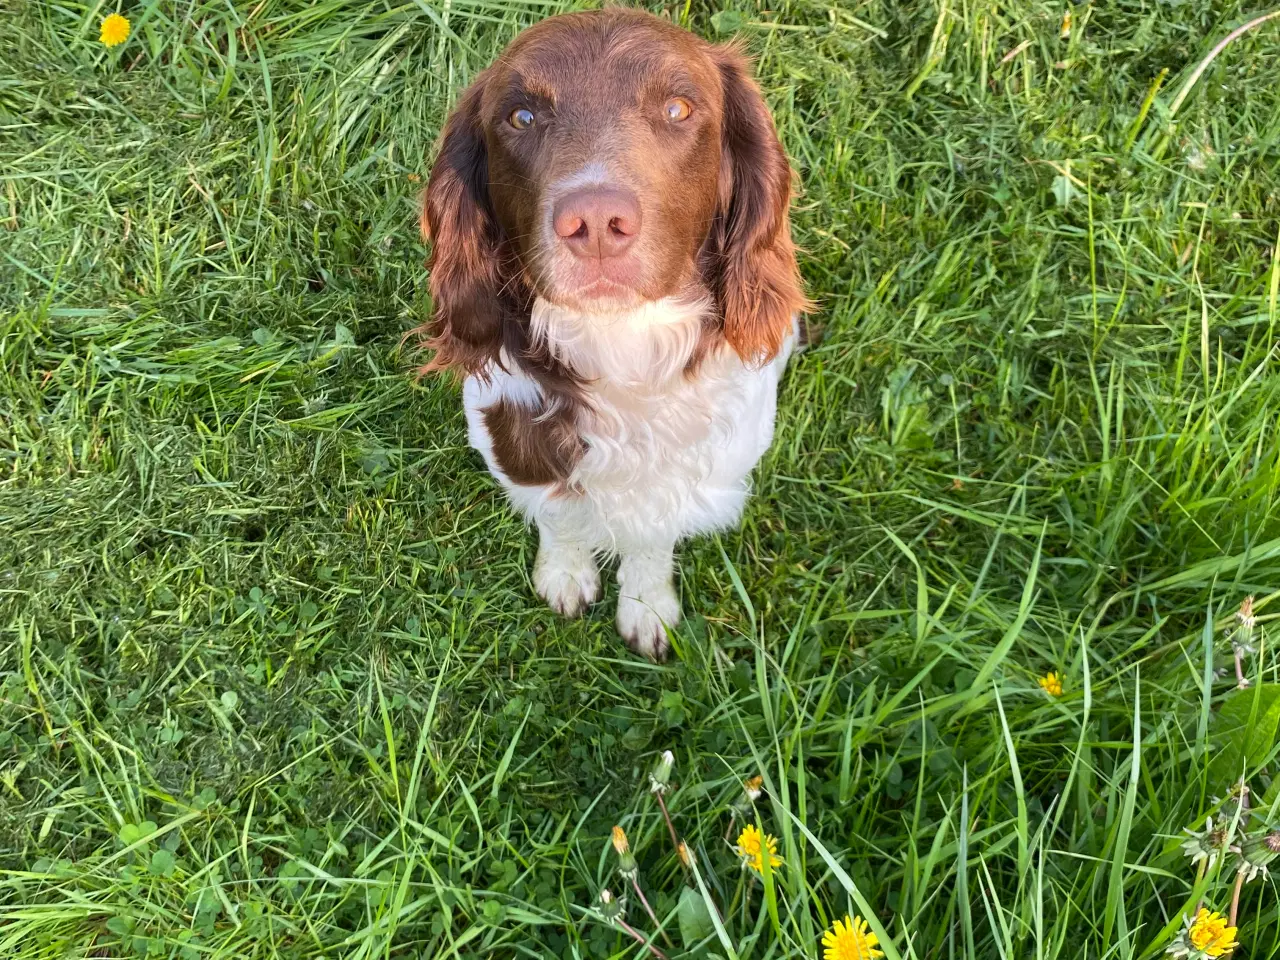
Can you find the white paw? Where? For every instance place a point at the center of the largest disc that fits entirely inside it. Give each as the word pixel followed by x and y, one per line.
pixel 643 621
pixel 566 577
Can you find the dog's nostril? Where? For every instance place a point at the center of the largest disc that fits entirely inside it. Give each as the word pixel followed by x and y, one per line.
pixel 597 221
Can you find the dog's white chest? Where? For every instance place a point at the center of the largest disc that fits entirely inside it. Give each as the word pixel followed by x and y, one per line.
pixel 665 455
pixel 678 465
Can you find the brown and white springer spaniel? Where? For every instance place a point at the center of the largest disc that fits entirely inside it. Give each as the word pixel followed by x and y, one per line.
pixel 613 274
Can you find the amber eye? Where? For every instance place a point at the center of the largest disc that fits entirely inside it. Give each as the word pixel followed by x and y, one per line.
pixel 677 109
pixel 520 118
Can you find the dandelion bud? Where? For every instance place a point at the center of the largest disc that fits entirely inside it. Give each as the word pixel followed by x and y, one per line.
pixel 752 790
pixel 1208 844
pixel 610 907
pixel 685 856
pixel 660 779
pixel 1244 616
pixel 1257 852
pixel 1242 635
pixel 626 861
pixel 1238 804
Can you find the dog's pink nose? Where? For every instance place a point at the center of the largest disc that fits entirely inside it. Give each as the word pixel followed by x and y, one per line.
pixel 597 223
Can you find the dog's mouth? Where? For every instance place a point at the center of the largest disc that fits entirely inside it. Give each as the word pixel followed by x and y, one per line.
pixel 596 286
pixel 602 287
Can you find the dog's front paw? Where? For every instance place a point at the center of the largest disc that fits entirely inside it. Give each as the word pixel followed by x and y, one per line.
pixel 566 577
pixel 643 621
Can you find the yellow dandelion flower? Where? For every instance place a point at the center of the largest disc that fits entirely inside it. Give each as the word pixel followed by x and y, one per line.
pixel 849 939
pixel 115 30
pixel 751 847
pixel 620 841
pixel 1051 684
pixel 1210 934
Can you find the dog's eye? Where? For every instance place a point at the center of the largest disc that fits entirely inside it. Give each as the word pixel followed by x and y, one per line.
pixel 677 109
pixel 521 118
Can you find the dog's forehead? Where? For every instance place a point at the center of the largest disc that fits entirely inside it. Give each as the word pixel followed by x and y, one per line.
pixel 604 58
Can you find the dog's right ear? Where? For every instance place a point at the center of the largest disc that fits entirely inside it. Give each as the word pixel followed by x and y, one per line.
pixel 465 264
pixel 754 273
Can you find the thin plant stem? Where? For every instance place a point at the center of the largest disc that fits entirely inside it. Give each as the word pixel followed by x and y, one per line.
pixel 1235 898
pixel 1203 65
pixel 675 841
pixel 737 892
pixel 1200 869
pixel 641 938
pixel 635 882
pixel 1241 680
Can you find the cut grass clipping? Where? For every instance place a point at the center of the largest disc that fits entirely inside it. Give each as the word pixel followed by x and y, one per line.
pixel 979 670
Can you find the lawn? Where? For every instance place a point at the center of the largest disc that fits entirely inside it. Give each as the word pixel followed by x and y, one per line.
pixel 274 682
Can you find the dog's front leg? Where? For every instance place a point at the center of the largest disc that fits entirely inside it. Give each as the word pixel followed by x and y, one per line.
pixel 647 599
pixel 565 573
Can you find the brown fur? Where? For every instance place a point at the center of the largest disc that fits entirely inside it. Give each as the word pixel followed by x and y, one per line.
pixel 715 191
pixel 752 262
pixel 532 447
pixel 481 302
pixel 471 300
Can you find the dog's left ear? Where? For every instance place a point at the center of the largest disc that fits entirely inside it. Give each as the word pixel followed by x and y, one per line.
pixel 467 284
pixel 751 260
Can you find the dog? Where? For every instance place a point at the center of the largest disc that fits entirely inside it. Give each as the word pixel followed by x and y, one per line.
pixel 613 276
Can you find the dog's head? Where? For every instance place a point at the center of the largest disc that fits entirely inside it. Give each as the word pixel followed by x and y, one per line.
pixel 608 159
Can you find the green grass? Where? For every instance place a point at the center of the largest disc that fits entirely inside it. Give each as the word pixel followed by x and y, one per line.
pixel 273 679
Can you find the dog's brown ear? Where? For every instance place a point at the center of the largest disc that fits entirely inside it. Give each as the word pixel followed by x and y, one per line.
pixel 751 260
pixel 465 329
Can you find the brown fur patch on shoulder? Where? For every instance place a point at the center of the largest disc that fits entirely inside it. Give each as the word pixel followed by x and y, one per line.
pixel 534 448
